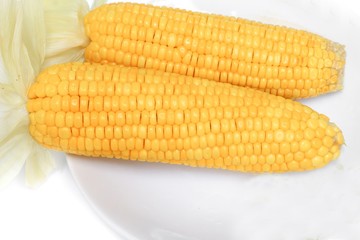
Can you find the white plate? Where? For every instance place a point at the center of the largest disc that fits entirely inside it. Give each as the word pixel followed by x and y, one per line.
pixel 158 201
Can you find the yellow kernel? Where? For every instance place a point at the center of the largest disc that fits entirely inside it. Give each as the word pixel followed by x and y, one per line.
pixel 253 160
pixel 50 90
pixel 74 103
pixel 99 132
pixel 299 156
pixel 198 154
pixel 232 151
pixel 305 145
pixel 216 152
pixel 340 138
pixel 274 148
pixel 322 151
pixel 40 90
pixel 309 133
pixel 284 148
pixel 320 132
pixel 316 143
pixel 55 103
pixel 293 165
pixel 52 132
pixel 219 162
pixel 310 153
pixel 245 160
pixel 294 146
pixel 139 144
pixel 330 131
pixel 266 149
pixel 65 104
pixel 60 119
pixel 40 117
pixel 266 167
pixel 179 117
pixel 89 144
pixel 328 157
pixel 317 161
pixel 289 136
pixel 50 118
pixel 270 159
pixel 211 140
pixel 97 144
pixel 313 123
pixel 289 157
pixel 281 158
pixel 305 164
pixel 245 136
pixel 215 125
pixel 328 141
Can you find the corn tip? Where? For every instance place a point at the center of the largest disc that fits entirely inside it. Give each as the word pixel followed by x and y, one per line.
pixel 339 63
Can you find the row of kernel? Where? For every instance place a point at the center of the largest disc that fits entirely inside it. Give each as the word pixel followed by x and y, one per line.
pixel 138 102
pixel 217 156
pixel 157 40
pixel 230 119
pixel 250 27
pixel 232 144
pixel 205 131
pixel 213 62
pixel 261 150
pixel 133 30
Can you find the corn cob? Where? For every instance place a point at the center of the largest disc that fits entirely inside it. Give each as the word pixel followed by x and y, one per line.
pixel 279 60
pixel 150 115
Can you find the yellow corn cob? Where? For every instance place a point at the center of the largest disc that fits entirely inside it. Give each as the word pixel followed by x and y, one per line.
pixel 279 60
pixel 148 115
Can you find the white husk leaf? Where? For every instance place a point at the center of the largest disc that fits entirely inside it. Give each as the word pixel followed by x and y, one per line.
pixel 8 98
pixel 2 68
pixel 10 122
pixel 65 33
pixel 21 63
pixel 39 165
pixel 12 160
pixel 34 35
pixel 98 3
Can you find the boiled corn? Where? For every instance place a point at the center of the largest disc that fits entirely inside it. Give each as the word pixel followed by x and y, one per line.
pixel 279 60
pixel 149 115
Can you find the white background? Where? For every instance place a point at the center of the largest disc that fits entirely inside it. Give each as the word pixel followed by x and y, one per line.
pixel 57 209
